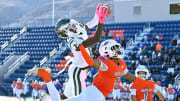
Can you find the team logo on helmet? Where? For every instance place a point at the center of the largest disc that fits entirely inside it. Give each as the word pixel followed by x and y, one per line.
pixel 106 42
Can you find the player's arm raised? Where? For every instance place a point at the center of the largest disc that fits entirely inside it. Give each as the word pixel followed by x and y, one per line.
pixel 102 13
pixel 95 20
pixel 92 23
pixel 96 38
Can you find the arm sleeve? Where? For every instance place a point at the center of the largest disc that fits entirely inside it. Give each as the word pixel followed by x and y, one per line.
pixel 53 92
pixel 86 56
pixel 93 22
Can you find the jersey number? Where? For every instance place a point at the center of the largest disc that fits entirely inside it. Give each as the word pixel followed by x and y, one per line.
pixel 145 96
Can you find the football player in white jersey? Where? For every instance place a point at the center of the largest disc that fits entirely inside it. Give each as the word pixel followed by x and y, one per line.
pixel 78 68
pixel 25 89
pixel 76 33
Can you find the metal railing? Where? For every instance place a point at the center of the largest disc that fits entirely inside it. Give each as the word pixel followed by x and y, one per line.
pixel 13 38
pixel 132 40
pixel 8 57
pixel 60 49
pixel 16 64
pixel 177 79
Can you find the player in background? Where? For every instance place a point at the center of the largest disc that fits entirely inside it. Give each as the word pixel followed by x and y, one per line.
pixel 42 88
pixel 111 53
pixel 88 84
pixel 178 92
pixel 76 33
pixel 166 94
pixel 13 86
pixel 139 93
pixel 129 93
pixel 116 90
pixel 109 97
pixel 155 97
pixel 125 91
pixel 170 92
pixel 31 85
pixel 35 92
pixel 122 90
pixel 19 87
pixel 25 89
pixel 58 86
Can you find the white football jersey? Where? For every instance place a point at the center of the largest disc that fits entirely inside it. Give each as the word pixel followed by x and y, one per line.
pixel 73 43
pixel 25 87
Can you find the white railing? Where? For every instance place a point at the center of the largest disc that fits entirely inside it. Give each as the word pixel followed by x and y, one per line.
pixel 132 40
pixel 129 43
pixel 136 35
pixel 4 45
pixel 177 79
pixel 16 64
pixel 53 52
pixel 23 30
pixel 43 61
pixel 8 57
pixel 14 37
pixel 6 63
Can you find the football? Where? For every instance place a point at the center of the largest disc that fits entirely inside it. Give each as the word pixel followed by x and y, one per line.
pixel 107 7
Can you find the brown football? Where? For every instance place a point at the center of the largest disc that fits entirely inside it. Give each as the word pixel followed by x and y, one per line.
pixel 107 7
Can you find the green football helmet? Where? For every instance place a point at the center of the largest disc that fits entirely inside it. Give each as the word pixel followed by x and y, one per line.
pixel 68 27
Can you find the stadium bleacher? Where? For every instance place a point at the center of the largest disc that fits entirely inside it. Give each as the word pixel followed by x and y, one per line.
pixel 39 41
pixel 7 33
pixel 168 29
